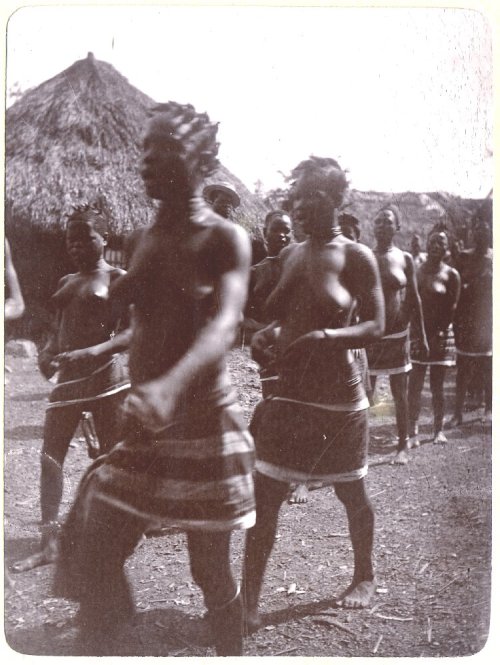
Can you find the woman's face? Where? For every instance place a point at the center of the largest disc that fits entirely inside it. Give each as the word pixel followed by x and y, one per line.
pixel 481 233
pixel 278 234
pixel 312 212
pixel 437 247
pixel 164 170
pixel 385 226
pixel 84 244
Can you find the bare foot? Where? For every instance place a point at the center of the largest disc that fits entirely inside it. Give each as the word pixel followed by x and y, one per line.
pixel 252 622
pixel 299 494
pixel 42 558
pixel 414 441
pixel 358 595
pixel 456 421
pixel 402 457
pixel 440 439
pixel 486 418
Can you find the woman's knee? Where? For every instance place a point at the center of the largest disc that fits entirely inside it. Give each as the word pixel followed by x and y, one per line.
pixel 59 429
pixel 353 494
pixel 209 559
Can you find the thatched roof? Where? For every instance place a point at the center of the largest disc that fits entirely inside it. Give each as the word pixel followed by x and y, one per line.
pixel 76 138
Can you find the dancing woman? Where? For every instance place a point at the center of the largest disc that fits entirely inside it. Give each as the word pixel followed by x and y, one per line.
pixel 187 458
pixel 315 426
pixel 83 347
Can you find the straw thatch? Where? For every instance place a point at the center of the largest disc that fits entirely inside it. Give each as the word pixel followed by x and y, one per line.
pixel 75 139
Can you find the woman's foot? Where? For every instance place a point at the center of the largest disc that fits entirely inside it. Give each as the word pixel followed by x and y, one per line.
pixel 440 438
pixel 358 595
pixel 414 441
pixel 401 457
pixel 486 418
pixel 45 556
pixel 454 421
pixel 299 494
pixel 251 621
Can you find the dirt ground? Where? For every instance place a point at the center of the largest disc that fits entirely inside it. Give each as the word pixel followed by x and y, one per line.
pixel 432 550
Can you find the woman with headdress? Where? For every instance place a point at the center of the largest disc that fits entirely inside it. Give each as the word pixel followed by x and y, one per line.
pixel 439 289
pixel 186 458
pixel 473 323
pixel 391 355
pixel 314 427
pixel 83 351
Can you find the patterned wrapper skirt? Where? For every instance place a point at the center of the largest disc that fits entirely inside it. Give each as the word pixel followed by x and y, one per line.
pixel 298 442
pixel 390 355
pixel 196 474
pixel 107 379
pixel 441 349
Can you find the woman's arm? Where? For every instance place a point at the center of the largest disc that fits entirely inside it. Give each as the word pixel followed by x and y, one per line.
pixel 154 401
pixel 14 304
pixel 453 294
pixel 414 301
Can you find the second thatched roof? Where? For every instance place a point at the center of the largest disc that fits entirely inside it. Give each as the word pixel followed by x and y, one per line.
pixel 75 139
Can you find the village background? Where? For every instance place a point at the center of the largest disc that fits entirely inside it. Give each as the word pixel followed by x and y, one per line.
pixel 75 137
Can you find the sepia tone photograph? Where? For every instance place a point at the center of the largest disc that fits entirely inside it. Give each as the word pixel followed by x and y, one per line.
pixel 220 225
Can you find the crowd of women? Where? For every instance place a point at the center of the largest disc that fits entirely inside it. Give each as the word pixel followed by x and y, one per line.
pixel 324 316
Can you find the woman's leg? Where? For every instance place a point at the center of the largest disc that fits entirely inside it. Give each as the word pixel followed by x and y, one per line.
pixel 415 386
pixel 108 419
pixel 371 386
pixel 361 520
pixel 269 495
pixel 464 369
pixel 437 390
pixel 487 367
pixel 209 555
pixel 108 539
pixel 59 428
pixel 399 389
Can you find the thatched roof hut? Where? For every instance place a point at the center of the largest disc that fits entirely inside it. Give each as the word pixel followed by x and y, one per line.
pixel 75 139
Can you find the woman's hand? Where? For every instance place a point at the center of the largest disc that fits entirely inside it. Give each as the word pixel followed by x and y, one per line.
pixel 152 403
pixel 71 359
pixel 262 346
pixel 424 343
pixel 297 345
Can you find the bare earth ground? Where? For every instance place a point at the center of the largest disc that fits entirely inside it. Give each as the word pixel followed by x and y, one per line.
pixel 432 550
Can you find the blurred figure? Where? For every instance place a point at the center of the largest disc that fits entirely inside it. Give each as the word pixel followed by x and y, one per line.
pixel 416 250
pixel 186 458
pixel 13 309
pixel 14 302
pixel 350 226
pixel 474 319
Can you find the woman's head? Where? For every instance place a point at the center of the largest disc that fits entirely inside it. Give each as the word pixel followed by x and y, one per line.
pixel 86 234
pixel 438 245
pixel 180 150
pixel 386 223
pixel 350 226
pixel 277 231
pixel 481 232
pixel 318 188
